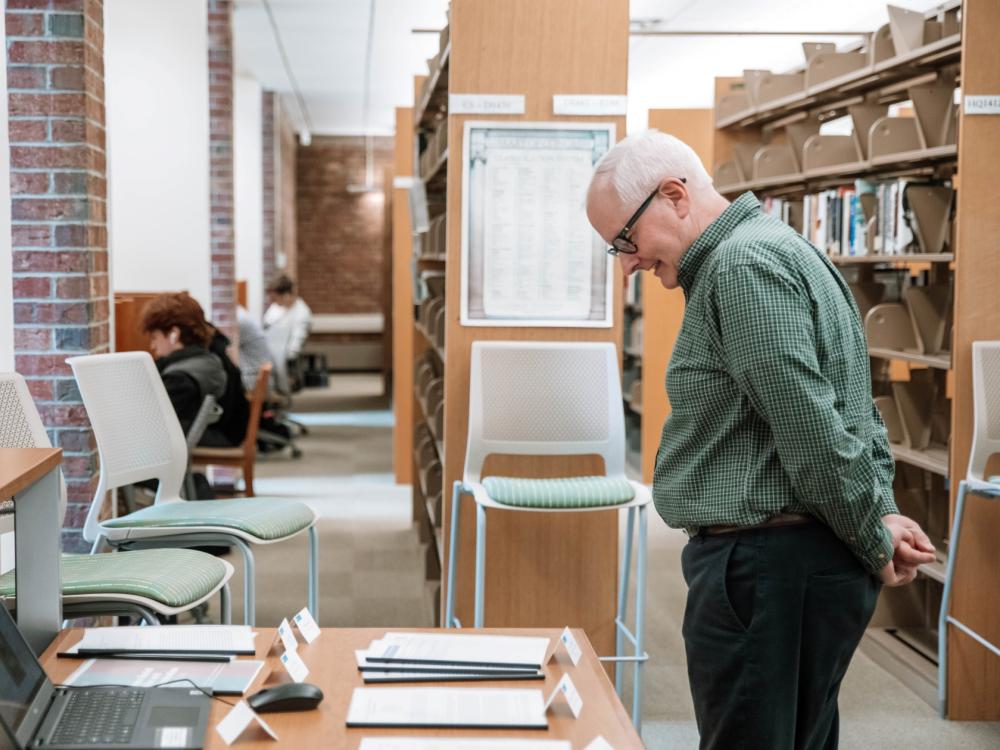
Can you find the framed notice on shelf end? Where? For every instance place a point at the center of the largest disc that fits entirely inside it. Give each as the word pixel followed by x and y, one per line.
pixel 529 255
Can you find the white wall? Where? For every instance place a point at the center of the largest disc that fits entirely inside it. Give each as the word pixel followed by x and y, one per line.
pixel 248 198
pixel 156 78
pixel 6 288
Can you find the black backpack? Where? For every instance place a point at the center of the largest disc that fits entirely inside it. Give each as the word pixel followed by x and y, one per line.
pixel 235 407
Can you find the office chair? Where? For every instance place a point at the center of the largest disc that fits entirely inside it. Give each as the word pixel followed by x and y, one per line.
pixel 985 443
pixel 139 438
pixel 548 398
pixel 148 584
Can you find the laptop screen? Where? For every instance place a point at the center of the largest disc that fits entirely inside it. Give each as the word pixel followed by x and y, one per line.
pixel 21 676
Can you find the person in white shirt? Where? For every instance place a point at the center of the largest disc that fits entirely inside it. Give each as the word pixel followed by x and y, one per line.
pixel 287 322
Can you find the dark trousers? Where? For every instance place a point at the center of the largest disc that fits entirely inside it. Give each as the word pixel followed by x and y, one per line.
pixel 773 617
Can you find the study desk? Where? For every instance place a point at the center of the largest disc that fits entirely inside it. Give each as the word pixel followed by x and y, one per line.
pixel 333 667
pixel 30 476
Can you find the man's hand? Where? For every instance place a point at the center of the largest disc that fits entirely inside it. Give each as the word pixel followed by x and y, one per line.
pixel 911 547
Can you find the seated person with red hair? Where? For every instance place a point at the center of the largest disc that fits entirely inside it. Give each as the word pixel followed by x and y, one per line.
pixel 191 357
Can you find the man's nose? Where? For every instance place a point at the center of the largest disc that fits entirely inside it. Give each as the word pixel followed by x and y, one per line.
pixel 628 262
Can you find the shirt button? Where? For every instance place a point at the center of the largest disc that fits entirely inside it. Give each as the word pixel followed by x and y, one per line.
pixel 881 555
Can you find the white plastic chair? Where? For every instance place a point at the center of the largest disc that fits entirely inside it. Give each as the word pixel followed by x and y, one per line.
pixel 544 399
pixel 97 587
pixel 139 438
pixel 985 443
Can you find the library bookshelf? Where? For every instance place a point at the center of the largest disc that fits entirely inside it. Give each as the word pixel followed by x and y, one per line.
pixel 543 569
pixel 924 298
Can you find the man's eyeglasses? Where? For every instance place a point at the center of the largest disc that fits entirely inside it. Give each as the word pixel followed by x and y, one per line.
pixel 621 243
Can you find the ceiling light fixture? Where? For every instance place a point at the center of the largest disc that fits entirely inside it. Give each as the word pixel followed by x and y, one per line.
pixel 368 186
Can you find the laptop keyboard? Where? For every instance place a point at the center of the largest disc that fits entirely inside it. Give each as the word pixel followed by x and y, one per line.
pixel 98 717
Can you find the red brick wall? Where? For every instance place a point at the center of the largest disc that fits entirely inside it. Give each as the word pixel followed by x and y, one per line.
pixel 55 79
pixel 341 234
pixel 269 163
pixel 220 144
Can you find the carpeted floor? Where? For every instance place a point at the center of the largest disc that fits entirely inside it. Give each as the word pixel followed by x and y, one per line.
pixel 372 574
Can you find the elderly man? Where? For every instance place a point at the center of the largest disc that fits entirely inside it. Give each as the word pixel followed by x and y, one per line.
pixel 774 458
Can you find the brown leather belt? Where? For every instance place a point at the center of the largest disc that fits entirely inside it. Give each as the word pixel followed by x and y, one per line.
pixel 782 519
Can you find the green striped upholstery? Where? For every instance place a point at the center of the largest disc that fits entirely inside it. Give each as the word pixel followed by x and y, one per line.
pixel 173 577
pixel 572 492
pixel 264 518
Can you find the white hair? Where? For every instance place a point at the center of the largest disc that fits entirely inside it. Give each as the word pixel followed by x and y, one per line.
pixel 637 164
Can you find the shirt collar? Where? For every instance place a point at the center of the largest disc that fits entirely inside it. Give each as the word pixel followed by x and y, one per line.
pixel 693 258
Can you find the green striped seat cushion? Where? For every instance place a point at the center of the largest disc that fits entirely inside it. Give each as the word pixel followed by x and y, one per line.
pixel 173 577
pixel 264 518
pixel 572 492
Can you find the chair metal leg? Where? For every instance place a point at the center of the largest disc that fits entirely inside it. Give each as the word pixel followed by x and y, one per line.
pixel 623 583
pixel 249 582
pixel 314 572
pixel 949 575
pixel 640 617
pixel 449 611
pixel 480 564
pixel 225 605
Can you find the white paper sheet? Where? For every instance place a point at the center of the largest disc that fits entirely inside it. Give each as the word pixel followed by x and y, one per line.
pixel 366 665
pixel 191 639
pixel 229 678
pixel 505 708
pixel 307 625
pixel 491 650
pixel 438 743
pixel 237 720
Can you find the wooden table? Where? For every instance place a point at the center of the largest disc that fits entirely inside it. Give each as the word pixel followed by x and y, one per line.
pixel 30 476
pixel 332 666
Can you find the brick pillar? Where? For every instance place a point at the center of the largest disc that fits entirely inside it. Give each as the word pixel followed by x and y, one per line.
pixel 270 158
pixel 220 140
pixel 55 78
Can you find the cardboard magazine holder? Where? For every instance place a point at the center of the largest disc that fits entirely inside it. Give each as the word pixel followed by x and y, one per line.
pixel 826 66
pixel 824 151
pixel 771 87
pixel 907 29
pixel 867 294
pixel 915 400
pixel 934 105
pixel 774 161
pixel 751 77
pixel 929 308
pixel 798 133
pixel 893 135
pixel 889 326
pixel 931 209
pixel 744 153
pixel 727 173
pixel 863 116
pixel 890 416
pixel 733 103
pixel 881 48
pixel 811 49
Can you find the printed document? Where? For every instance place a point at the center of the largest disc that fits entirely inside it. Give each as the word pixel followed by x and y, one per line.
pixel 495 708
pixel 485 650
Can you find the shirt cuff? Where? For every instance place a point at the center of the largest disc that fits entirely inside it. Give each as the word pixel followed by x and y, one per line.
pixel 887 503
pixel 874 546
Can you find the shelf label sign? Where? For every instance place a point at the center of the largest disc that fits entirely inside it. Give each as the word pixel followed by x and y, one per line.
pixel 589 104
pixel 486 104
pixel 982 104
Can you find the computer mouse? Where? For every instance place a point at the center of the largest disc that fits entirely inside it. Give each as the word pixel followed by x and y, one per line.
pixel 292 696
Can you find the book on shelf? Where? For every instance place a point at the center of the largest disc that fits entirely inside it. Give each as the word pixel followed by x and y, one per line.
pixel 870 217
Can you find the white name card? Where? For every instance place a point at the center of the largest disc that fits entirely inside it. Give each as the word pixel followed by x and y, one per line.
pixel 293 663
pixel 485 104
pixel 599 743
pixel 572 647
pixel 985 104
pixel 307 625
pixel 568 689
pixel 287 636
pixel 589 104
pixel 238 719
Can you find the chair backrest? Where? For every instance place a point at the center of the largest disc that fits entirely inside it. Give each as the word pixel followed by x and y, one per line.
pixel 137 431
pixel 277 338
pixel 20 424
pixel 257 397
pixel 545 398
pixel 985 405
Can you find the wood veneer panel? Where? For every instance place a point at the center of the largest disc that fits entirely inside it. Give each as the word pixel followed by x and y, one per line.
pixel 974 673
pixel 538 50
pixel 663 309
pixel 402 303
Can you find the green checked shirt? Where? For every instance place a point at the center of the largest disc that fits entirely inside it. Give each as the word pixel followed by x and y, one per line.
pixel 770 391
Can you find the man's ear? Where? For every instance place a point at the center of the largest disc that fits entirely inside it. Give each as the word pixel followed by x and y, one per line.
pixel 675 191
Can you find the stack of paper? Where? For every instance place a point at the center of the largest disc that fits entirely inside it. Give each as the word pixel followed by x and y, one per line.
pixel 433 657
pixel 466 708
pixel 193 640
pixel 225 678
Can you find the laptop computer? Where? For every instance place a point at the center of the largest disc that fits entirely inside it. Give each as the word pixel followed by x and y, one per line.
pixel 34 713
